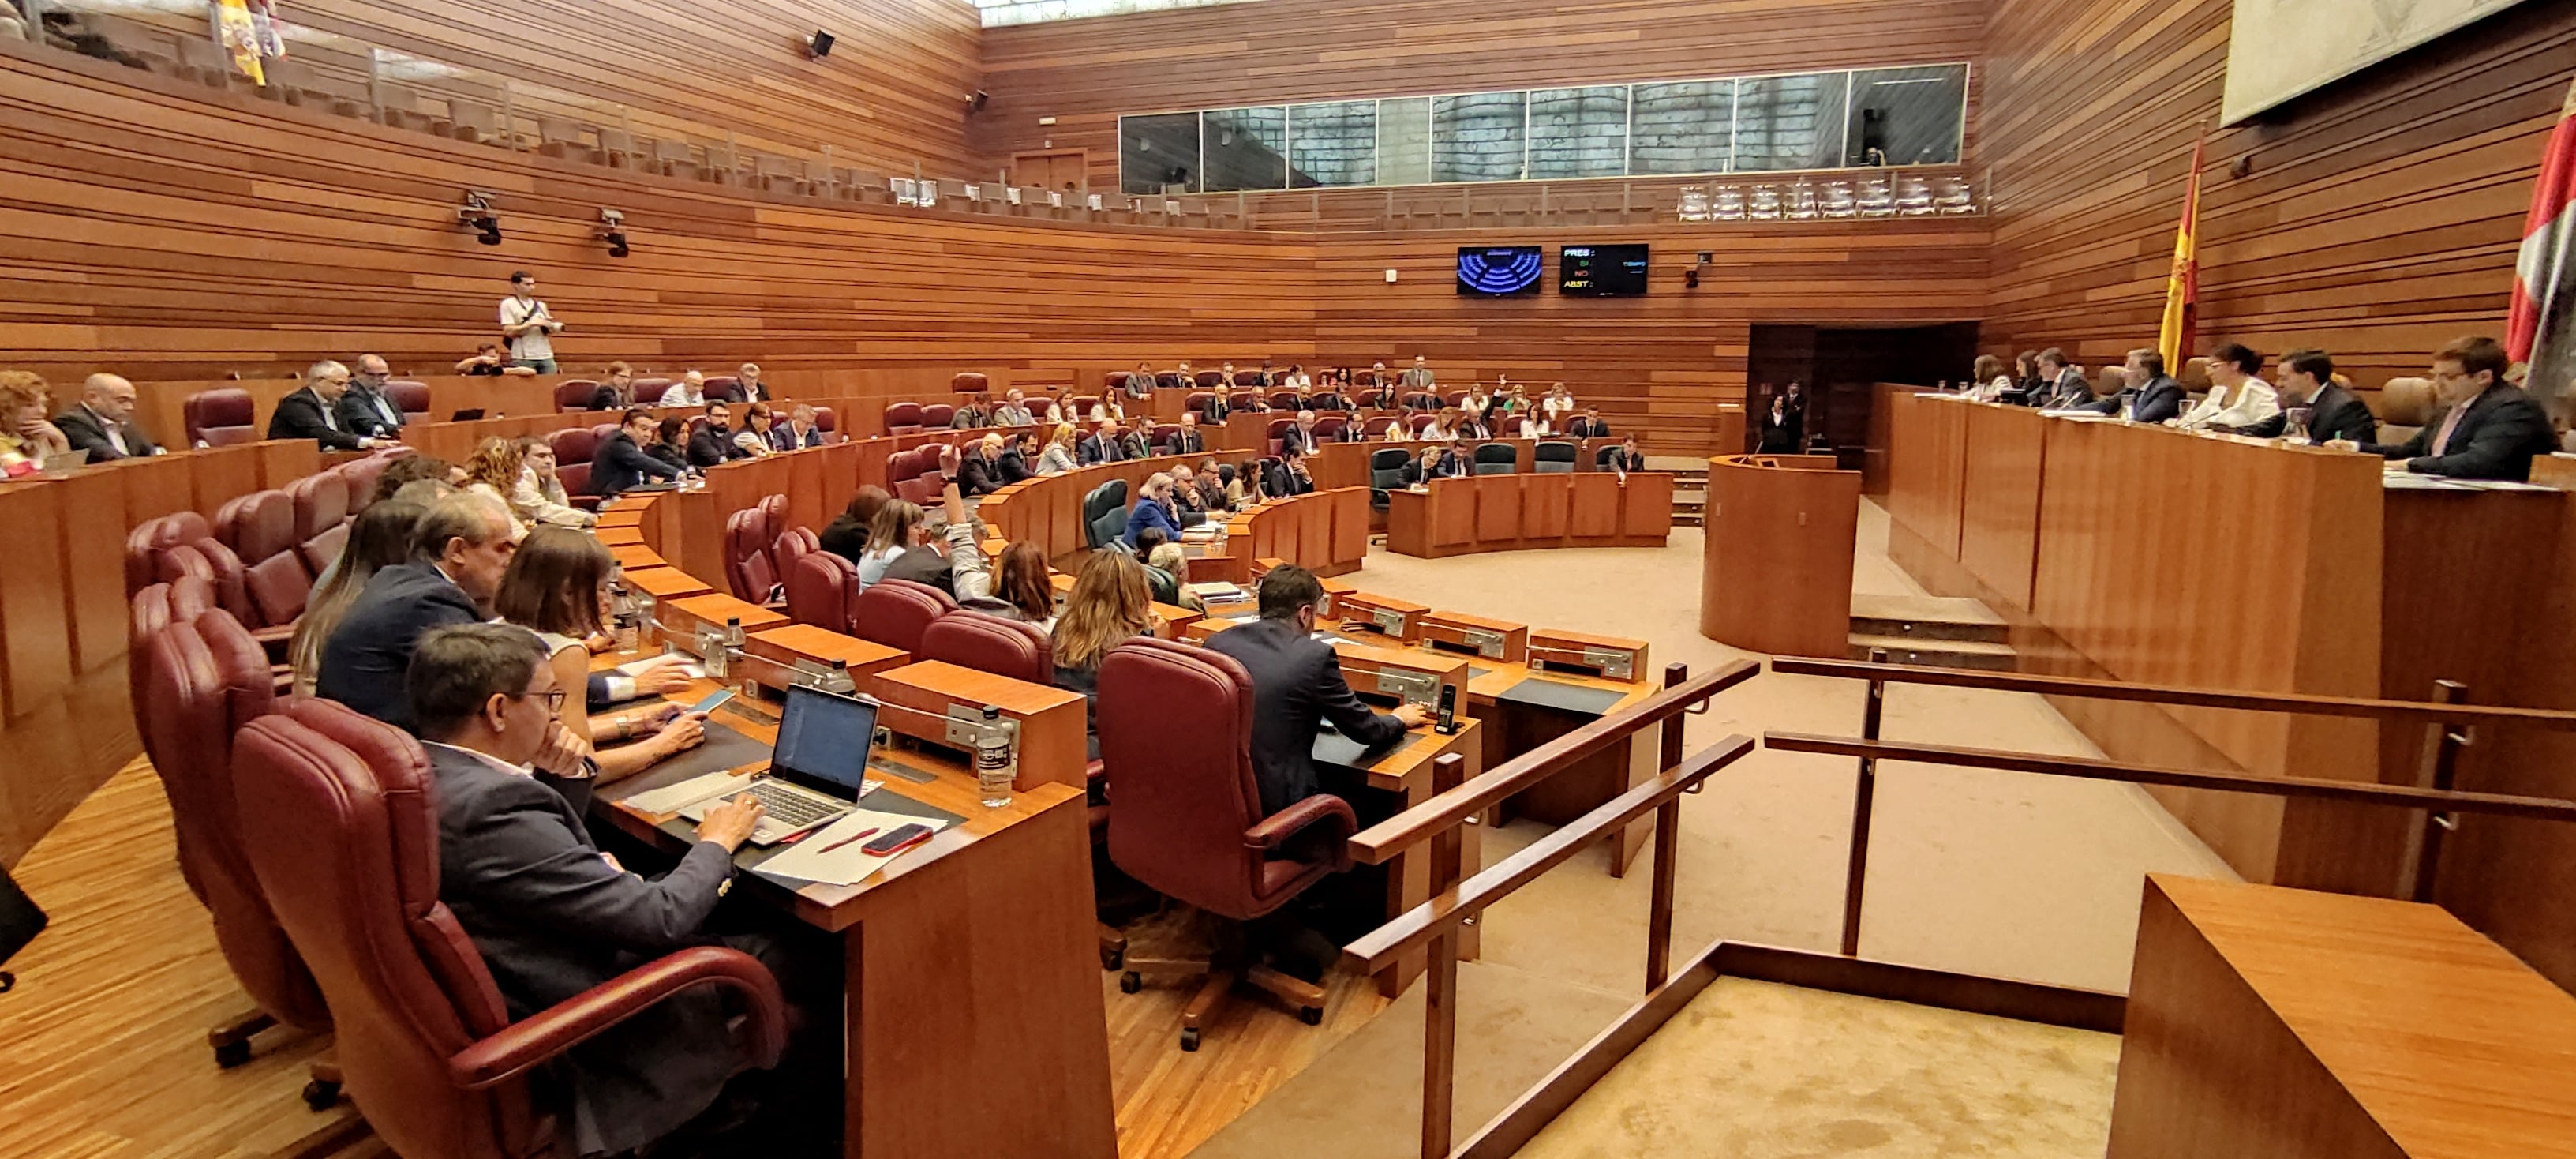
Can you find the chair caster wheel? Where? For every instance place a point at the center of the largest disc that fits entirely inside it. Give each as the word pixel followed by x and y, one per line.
pixel 321 1096
pixel 1130 982
pixel 1111 957
pixel 1190 1038
pixel 1311 1015
pixel 232 1054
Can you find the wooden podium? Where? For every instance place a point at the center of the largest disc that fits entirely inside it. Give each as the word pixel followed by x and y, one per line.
pixel 1776 562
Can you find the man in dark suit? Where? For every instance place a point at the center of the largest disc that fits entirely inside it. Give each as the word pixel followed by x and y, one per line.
pixel 798 432
pixel 978 469
pixel 621 464
pixel 2307 382
pixel 2151 396
pixel 1289 476
pixel 1297 684
pixel 1012 465
pixel 364 407
pixel 312 411
pixel 1132 444
pixel 1139 382
pixel 1300 434
pixel 1587 425
pixel 459 549
pixel 712 444
pixel 1100 446
pixel 103 423
pixel 2063 387
pixel 1189 441
pixel 2487 429
pixel 551 914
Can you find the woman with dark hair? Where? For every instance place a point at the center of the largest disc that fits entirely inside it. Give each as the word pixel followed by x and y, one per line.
pixel 1021 590
pixel 671 442
pixel 847 535
pixel 2026 377
pixel 557 587
pixel 379 538
pixel 753 438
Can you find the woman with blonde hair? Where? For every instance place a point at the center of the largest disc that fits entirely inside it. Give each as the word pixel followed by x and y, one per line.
pixel 493 473
pixel 1110 604
pixel 1058 457
pixel 557 587
pixel 26 438
pixel 897 528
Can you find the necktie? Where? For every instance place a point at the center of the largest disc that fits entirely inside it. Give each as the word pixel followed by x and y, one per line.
pixel 2442 441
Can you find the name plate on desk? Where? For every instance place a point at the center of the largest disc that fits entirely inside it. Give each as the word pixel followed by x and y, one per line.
pixel 1386 615
pixel 1476 636
pixel 1610 656
pixel 1409 675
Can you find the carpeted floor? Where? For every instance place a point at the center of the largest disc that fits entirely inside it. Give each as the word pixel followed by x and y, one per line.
pixel 1991 873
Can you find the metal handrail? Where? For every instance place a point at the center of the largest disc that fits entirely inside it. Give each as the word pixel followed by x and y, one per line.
pixel 2306 704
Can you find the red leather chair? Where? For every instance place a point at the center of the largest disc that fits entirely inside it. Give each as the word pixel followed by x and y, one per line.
pixel 1278 430
pixel 1111 380
pixel 204 680
pixel 938 416
pixel 409 396
pixel 144 545
pixel 218 418
pixel 1081 405
pixel 258 525
pixel 1210 379
pixel 828 423
pixel 574 394
pixel 155 607
pixel 320 503
pixel 1329 428
pixel 1242 399
pixel 210 559
pixel 1162 437
pixel 1363 378
pixel 1169 380
pixel 823 590
pixel 1285 399
pixel 1186 819
pixel 649 391
pixel 1422 422
pixel 1247 378
pixel 896 612
pixel 1454 398
pixel 970 382
pixel 1377 428
pixel 903 418
pixel 422 1036
pixel 746 546
pixel 1369 398
pixel 1198 400
pixel 789 546
pixel 361 475
pixel 723 386
pixel 319 551
pixel 989 644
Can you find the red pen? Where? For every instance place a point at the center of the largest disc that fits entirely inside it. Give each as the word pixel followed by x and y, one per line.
pixel 859 836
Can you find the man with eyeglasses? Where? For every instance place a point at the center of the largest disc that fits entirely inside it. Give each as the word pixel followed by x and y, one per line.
pixel 459 550
pixel 551 913
pixel 364 408
pixel 2487 427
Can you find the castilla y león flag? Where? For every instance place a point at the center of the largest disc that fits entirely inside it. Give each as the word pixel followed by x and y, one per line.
pixel 2540 331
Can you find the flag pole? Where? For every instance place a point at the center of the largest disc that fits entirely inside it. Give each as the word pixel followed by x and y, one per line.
pixel 2182 285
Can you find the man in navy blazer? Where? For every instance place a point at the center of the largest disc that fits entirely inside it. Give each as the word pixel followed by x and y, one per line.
pixel 459 550
pixel 2151 396
pixel 551 914
pixel 103 422
pixel 1100 446
pixel 2488 429
pixel 1297 684
pixel 2307 381
pixel 312 412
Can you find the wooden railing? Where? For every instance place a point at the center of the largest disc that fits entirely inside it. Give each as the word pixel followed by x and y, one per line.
pixel 1439 924
pixel 2447 720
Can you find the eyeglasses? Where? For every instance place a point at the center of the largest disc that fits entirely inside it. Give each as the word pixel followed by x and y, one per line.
pixel 554 698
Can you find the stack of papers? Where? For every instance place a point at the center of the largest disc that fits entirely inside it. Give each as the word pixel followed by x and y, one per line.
pixel 1203 533
pixel 837 854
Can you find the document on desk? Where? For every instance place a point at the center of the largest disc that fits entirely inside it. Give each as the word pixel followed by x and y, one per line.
pixel 2409 481
pixel 833 858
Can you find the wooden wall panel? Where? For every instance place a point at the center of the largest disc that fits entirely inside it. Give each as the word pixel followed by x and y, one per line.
pixel 1084 73
pixel 2378 218
pixel 893 92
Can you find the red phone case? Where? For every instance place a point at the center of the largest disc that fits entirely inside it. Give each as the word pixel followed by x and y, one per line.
pixel 871 847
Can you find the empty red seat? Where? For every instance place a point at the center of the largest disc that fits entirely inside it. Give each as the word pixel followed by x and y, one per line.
pixel 895 613
pixel 574 394
pixel 938 416
pixel 989 644
pixel 321 502
pixel 823 590
pixel 409 396
pixel 902 418
pixel 218 418
pixel 258 525
pixel 969 382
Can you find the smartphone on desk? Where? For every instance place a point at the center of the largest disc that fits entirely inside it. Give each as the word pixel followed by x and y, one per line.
pixel 902 837
pixel 714 701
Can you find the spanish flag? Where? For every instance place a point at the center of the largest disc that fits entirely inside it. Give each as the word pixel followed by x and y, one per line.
pixel 2182 289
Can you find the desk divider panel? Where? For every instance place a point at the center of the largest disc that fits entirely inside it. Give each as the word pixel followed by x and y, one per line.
pixel 1595 513
pixel 1546 504
pixel 283 461
pixel 154 487
pixel 1646 508
pixel 1498 507
pixel 218 475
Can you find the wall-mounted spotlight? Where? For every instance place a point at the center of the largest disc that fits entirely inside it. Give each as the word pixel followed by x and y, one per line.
pixel 976 103
pixel 1690 277
pixel 818 45
pixel 612 229
pixel 476 214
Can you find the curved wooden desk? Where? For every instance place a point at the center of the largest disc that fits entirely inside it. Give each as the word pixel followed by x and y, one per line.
pixel 1519 512
pixel 1776 563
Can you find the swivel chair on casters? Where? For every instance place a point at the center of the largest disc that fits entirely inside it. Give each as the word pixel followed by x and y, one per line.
pixel 1187 821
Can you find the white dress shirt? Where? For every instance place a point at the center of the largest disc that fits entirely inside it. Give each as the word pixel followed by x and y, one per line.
pixel 2254 401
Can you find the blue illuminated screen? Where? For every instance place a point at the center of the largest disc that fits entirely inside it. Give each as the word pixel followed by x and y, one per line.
pixel 1497 271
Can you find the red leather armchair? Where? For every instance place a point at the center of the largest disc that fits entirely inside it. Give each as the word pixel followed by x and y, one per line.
pixel 218 418
pixel 823 590
pixel 938 416
pixel 903 418
pixel 144 545
pixel 204 680
pixel 574 394
pixel 320 503
pixel 410 396
pixel 746 544
pixel 969 382
pixel 896 612
pixel 423 1039
pixel 989 644
pixel 1186 813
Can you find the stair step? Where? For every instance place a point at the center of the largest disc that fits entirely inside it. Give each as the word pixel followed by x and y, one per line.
pixel 1937 653
pixel 1926 618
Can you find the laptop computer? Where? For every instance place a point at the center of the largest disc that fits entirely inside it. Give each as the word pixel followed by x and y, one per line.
pixel 818 769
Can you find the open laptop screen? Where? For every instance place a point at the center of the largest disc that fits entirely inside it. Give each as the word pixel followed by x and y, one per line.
pixel 823 740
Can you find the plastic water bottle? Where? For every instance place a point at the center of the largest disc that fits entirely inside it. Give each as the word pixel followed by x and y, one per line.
pixel 996 765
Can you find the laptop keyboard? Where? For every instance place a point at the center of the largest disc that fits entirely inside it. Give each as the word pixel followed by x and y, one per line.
pixel 790 808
